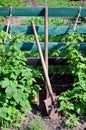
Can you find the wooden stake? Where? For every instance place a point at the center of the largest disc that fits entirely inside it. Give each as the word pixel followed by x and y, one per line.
pixel 8 25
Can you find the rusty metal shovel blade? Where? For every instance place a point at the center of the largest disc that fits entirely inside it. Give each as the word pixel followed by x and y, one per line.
pixel 51 107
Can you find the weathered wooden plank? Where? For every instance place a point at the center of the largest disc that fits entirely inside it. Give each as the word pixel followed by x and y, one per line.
pixel 22 11
pixel 28 11
pixel 52 30
pixel 60 78
pixel 4 11
pixel 39 11
pixel 57 88
pixel 66 11
pixel 51 46
pixel 63 76
pixel 51 61
pixel 60 82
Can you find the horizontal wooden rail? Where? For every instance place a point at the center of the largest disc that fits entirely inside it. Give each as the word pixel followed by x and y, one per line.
pixel 51 60
pixel 39 11
pixel 60 82
pixel 51 46
pixel 59 78
pixel 65 77
pixel 53 30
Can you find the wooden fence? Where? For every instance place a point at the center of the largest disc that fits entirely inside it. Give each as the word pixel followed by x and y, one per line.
pixel 52 30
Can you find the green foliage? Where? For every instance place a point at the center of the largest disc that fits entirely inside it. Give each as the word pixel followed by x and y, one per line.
pixel 51 21
pixel 11 3
pixel 35 124
pixel 2 19
pixel 61 3
pixel 50 3
pixel 74 101
pixel 40 2
pixel 18 86
pixel 39 21
pixel 72 121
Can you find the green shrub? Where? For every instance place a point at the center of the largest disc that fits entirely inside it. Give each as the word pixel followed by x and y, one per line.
pixel 73 102
pixel 18 86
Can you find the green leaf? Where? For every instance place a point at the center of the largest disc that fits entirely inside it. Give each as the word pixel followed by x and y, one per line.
pixel 5 83
pixel 13 76
pixel 11 89
pixel 84 97
pixel 78 110
pixel 17 96
pixel 3 112
pixel 29 82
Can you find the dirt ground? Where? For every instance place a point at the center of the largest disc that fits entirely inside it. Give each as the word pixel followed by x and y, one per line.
pixel 48 124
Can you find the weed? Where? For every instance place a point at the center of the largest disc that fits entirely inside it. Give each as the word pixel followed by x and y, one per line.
pixel 35 124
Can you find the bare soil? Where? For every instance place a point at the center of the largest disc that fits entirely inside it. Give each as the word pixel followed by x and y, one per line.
pixel 48 124
pixel 39 111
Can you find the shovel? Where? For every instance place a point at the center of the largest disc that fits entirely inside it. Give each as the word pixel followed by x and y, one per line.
pixel 51 101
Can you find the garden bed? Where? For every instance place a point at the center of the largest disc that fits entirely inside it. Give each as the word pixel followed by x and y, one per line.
pixel 48 124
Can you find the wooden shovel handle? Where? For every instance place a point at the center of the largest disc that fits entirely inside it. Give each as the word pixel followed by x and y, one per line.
pixel 46 37
pixel 42 60
pixel 46 46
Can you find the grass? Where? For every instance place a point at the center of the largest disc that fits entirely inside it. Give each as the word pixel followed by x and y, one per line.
pixel 35 123
pixel 55 3
pixel 61 3
pixel 11 3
